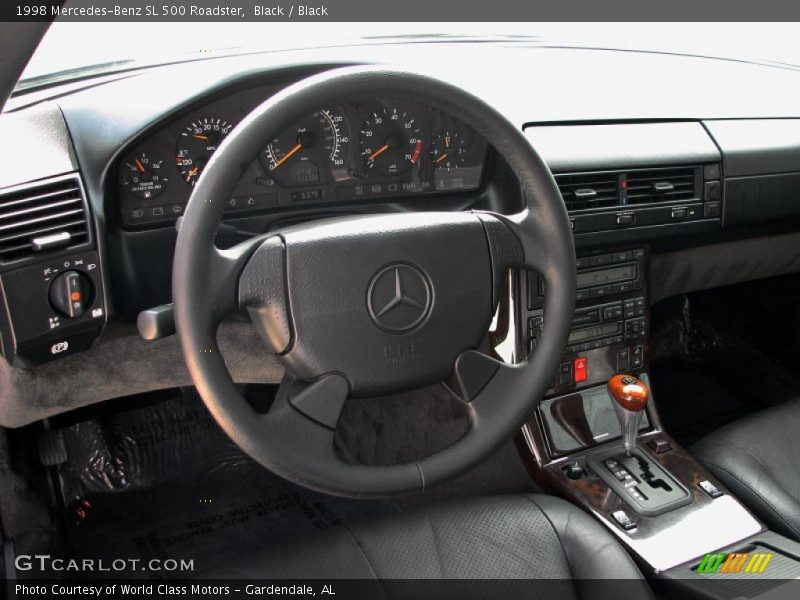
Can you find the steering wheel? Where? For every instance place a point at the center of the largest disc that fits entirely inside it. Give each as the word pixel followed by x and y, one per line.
pixel 359 306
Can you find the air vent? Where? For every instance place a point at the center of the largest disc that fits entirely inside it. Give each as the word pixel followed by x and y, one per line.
pixel 42 217
pixel 661 185
pixel 612 189
pixel 583 191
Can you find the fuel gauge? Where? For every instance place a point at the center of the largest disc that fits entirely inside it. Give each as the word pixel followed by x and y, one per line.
pixel 144 177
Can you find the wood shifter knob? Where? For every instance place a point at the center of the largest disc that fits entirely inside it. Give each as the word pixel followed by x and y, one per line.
pixel 629 392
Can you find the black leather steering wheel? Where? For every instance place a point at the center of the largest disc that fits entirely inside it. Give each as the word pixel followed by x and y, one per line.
pixel 368 305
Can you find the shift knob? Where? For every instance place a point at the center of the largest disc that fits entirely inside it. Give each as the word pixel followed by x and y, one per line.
pixel 630 396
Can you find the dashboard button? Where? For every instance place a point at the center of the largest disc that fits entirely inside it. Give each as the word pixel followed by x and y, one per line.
pixel 679 213
pixel 623 256
pixel 711 172
pixel 712 210
pixel 623 520
pixel 625 219
pixel 581 365
pixel 600 260
pixel 713 191
pixel 600 291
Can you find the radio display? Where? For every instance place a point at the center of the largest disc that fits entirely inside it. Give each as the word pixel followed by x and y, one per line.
pixel 599 331
pixel 610 275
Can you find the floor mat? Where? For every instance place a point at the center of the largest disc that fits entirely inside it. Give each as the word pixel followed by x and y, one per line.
pixel 210 522
pixel 163 481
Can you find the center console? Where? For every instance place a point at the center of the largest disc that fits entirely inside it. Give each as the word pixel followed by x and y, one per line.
pixel 597 439
pixel 611 322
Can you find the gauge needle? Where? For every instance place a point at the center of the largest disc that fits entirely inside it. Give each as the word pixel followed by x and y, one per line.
pixel 139 165
pixel 441 158
pixel 201 137
pixel 378 152
pixel 192 173
pixel 287 156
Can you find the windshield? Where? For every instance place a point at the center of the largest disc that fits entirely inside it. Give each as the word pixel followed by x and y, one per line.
pixel 72 50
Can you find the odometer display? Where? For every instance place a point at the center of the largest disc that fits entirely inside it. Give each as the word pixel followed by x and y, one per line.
pixel 299 154
pixel 390 141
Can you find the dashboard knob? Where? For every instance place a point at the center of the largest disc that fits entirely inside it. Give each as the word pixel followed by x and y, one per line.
pixel 70 293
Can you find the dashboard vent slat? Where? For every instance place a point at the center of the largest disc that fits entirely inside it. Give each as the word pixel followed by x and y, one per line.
pixel 41 209
pixel 614 189
pixel 589 190
pixel 661 185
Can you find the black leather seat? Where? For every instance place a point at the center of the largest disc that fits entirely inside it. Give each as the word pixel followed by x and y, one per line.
pixel 503 537
pixel 758 458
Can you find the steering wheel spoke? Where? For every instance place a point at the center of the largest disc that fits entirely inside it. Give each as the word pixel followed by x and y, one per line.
pixel 224 269
pixel 321 400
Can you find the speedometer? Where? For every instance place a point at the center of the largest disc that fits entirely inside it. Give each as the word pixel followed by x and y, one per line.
pixel 390 141
pixel 297 155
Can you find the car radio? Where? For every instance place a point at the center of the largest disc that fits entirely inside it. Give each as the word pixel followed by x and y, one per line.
pixel 610 325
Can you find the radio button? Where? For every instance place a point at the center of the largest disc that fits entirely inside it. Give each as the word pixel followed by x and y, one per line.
pixel 620 288
pixel 586 317
pixel 600 291
pixel 582 294
pixel 600 260
pixel 623 256
pixel 612 312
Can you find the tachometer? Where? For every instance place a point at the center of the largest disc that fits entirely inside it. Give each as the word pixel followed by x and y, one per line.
pixel 390 141
pixel 196 145
pixel 144 177
pixel 296 156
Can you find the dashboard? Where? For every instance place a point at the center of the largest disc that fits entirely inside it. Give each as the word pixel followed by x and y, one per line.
pixel 376 148
pixel 680 193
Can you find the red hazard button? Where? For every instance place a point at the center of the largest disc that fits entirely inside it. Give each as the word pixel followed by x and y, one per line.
pixel 579 369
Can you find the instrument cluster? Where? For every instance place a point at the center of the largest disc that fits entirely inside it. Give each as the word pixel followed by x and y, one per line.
pixel 374 149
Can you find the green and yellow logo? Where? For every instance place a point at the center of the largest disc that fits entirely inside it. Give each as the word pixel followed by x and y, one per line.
pixel 730 563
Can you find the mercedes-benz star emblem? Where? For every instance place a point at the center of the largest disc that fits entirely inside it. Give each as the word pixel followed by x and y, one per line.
pixel 399 298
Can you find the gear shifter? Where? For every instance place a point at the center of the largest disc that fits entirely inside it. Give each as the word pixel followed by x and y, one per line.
pixel 630 396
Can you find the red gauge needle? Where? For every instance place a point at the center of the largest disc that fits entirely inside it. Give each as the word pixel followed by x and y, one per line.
pixel 441 158
pixel 192 173
pixel 287 156
pixel 378 152
pixel 139 165
pixel 201 137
